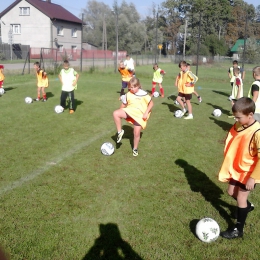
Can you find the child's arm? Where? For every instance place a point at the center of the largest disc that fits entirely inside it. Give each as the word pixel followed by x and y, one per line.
pixel 177 80
pixel 255 95
pixel 60 79
pixel 76 80
pixel 256 172
pixel 149 107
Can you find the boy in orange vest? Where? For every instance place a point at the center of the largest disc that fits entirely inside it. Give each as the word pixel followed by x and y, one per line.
pixel 241 165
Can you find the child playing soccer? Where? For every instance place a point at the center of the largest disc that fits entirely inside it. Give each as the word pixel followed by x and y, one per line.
pixel 241 165
pixel 126 75
pixel 237 88
pixel 42 82
pixel 158 78
pixel 135 109
pixel 2 76
pixel 68 78
pixel 254 92
pixel 185 88
pixel 231 72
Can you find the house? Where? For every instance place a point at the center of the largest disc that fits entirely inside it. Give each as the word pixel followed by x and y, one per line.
pixel 40 24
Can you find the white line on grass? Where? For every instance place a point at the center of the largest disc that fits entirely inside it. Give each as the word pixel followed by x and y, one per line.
pixel 48 165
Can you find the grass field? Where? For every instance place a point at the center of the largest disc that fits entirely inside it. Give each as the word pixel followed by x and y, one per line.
pixel 61 199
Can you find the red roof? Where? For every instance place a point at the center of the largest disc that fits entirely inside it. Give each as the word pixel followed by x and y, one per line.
pixel 53 11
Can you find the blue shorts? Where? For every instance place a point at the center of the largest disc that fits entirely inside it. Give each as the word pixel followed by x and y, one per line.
pixel 124 84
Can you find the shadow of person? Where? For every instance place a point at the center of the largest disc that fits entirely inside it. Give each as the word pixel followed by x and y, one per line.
pixel 200 182
pixel 129 134
pixel 8 89
pixel 49 95
pixel 172 108
pixel 221 93
pixel 110 245
pixel 224 125
pixel 77 103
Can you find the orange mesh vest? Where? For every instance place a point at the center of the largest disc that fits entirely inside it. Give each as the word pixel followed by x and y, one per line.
pixel 240 154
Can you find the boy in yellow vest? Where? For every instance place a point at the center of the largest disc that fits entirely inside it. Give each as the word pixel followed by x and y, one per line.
pixel 254 92
pixel 241 165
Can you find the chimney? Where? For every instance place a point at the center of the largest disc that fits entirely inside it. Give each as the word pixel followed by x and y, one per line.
pixel 48 1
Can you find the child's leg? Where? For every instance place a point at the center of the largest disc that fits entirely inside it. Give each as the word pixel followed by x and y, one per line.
pixel 118 115
pixel 63 98
pixel 153 87
pixel 43 93
pixel 71 100
pixel 161 90
pixel 189 106
pixel 137 133
pixel 124 86
pixel 39 93
pixel 195 93
pixel 180 101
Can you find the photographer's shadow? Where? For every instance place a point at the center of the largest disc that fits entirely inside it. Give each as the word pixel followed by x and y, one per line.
pixel 110 245
pixel 200 182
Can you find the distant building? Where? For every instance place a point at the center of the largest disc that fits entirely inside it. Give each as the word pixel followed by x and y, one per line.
pixel 40 24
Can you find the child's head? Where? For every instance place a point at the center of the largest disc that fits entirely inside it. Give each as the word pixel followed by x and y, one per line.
pixel 121 64
pixel 183 65
pixel 188 66
pixel 235 63
pixel 256 72
pixel 1 67
pixel 134 85
pixel 244 105
pixel 155 66
pixel 127 57
pixel 236 71
pixel 66 64
pixel 36 65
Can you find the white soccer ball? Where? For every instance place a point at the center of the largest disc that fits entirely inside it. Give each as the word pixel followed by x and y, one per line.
pixel 59 109
pixel 28 100
pixel 178 113
pixel 107 148
pixel 207 230
pixel 217 112
pixel 156 94
pixel 2 91
pixel 176 102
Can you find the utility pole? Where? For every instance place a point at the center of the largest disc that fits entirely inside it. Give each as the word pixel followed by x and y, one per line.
pixel 156 42
pixel 198 47
pixel 104 37
pixel 81 47
pixel 185 35
pixel 244 50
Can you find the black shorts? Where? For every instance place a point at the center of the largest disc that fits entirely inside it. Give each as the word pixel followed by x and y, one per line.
pixel 186 96
pixel 238 184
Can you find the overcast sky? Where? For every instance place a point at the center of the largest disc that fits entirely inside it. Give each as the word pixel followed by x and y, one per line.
pixel 143 7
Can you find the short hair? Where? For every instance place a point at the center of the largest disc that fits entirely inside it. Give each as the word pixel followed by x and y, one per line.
pixel 134 82
pixel 37 63
pixel 183 63
pixel 256 70
pixel 188 64
pixel 127 55
pixel 66 62
pixel 244 105
pixel 235 62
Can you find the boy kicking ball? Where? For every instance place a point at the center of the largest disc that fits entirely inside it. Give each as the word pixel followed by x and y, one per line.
pixel 241 165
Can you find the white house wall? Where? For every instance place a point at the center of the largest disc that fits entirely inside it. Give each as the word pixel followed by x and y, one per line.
pixel 35 28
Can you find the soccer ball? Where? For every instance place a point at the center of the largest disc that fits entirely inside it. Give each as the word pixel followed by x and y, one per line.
pixel 176 102
pixel 217 112
pixel 59 109
pixel 107 148
pixel 156 94
pixel 207 230
pixel 28 100
pixel 178 113
pixel 2 91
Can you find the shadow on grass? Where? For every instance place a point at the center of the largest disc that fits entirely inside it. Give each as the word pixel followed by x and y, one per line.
pixel 200 182
pixel 78 103
pixel 172 108
pixel 49 95
pixel 224 125
pixel 129 134
pixel 221 93
pixel 110 245
pixel 8 89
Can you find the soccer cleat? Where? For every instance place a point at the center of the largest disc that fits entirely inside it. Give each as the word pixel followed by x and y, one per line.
pixel 184 110
pixel 200 99
pixel 230 234
pixel 71 111
pixel 135 152
pixel 188 117
pixel 119 136
pixel 36 99
pixel 44 100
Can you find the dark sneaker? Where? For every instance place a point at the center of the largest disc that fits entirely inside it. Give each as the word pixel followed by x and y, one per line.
pixel 230 234
pixel 119 136
pixel 135 152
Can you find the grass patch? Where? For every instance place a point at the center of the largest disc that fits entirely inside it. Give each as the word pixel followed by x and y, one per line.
pixel 60 198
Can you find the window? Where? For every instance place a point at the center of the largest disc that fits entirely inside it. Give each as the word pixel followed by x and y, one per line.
pixel 74 32
pixel 74 48
pixel 24 10
pixel 60 30
pixel 16 28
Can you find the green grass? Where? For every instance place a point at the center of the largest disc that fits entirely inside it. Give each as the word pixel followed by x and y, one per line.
pixel 58 193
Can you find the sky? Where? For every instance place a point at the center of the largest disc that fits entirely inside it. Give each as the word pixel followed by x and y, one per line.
pixel 75 6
